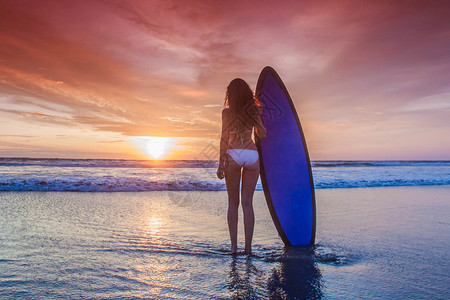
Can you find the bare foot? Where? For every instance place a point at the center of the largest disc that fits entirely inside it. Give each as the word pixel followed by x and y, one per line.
pixel 248 250
pixel 233 250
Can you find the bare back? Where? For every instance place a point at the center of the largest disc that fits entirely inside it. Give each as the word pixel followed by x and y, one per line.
pixel 234 139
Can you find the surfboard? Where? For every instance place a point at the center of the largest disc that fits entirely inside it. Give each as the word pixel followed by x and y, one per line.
pixel 286 174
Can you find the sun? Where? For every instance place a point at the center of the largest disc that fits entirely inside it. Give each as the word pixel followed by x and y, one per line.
pixel 157 147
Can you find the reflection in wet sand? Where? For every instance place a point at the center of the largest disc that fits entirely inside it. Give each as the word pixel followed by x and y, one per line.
pixel 241 279
pixel 296 275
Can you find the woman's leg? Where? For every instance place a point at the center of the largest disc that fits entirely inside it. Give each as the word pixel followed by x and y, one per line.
pixel 249 178
pixel 232 180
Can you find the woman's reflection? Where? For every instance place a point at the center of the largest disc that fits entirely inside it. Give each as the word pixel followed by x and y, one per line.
pixel 294 276
pixel 242 278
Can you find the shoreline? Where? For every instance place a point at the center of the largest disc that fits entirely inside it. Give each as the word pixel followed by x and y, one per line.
pixel 224 190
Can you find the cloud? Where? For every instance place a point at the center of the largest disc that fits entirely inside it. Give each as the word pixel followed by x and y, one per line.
pixel 160 68
pixel 17 135
pixel 178 120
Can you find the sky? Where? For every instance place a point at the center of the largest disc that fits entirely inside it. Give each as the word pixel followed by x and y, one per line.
pixel 131 79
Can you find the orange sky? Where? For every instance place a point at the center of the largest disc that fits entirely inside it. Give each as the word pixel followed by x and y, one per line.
pixel 93 79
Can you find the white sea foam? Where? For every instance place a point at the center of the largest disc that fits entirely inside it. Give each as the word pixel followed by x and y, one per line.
pixel 24 174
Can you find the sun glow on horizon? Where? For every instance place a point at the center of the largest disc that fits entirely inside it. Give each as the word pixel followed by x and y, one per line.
pixel 154 147
pixel 157 147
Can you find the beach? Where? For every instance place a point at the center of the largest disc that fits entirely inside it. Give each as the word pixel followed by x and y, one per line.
pixel 120 119
pixel 378 243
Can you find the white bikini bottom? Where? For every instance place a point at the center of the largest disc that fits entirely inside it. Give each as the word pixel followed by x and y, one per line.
pixel 244 157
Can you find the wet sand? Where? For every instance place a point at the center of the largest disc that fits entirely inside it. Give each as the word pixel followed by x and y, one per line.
pixel 371 243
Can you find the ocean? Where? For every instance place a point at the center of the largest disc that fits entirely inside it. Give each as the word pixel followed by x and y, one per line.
pixel 94 175
pixel 117 229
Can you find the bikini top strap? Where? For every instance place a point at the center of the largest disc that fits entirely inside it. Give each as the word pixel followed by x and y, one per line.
pixel 249 130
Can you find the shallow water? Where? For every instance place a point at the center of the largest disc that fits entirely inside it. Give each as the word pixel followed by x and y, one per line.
pixel 371 243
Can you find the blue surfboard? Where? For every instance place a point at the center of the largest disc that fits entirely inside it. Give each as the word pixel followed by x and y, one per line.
pixel 286 174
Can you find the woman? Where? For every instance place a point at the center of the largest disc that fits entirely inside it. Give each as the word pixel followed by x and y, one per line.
pixel 238 153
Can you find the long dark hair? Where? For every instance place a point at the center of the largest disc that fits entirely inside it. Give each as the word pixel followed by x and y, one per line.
pixel 242 103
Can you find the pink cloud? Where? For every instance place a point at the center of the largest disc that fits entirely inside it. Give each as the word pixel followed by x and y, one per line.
pixel 141 67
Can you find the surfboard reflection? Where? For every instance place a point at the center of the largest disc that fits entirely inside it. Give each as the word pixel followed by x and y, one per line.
pixel 296 275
